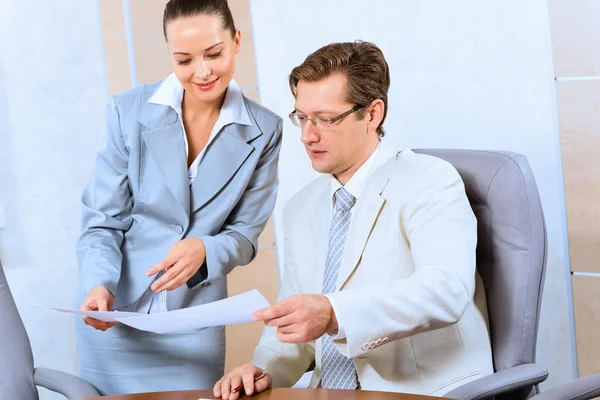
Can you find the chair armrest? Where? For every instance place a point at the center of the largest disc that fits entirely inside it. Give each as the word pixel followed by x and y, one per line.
pixel 70 386
pixel 581 389
pixel 501 382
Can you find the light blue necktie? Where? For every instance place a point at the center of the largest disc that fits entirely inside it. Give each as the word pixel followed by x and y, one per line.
pixel 337 371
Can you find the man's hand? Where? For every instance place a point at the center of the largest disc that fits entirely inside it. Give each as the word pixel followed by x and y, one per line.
pixel 241 375
pixel 181 263
pixel 99 299
pixel 300 318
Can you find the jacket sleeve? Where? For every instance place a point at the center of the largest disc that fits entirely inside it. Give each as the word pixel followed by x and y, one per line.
pixel 284 362
pixel 237 242
pixel 106 210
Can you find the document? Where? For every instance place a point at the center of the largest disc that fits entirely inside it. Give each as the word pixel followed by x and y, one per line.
pixel 106 316
pixel 232 310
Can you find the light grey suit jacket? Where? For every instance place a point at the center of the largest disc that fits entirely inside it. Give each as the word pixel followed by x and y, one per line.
pixel 138 201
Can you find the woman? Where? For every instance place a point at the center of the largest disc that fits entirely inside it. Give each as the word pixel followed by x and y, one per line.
pixel 183 185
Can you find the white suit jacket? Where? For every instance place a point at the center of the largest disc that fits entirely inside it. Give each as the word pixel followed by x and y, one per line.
pixel 412 303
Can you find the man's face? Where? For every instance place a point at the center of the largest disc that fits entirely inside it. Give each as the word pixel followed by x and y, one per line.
pixel 333 148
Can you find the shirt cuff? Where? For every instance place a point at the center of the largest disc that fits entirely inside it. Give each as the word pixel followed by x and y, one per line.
pixel 341 333
pixel 199 277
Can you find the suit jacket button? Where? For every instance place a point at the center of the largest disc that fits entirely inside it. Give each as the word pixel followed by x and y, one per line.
pixel 378 342
pixel 365 346
pixel 385 340
pixel 178 229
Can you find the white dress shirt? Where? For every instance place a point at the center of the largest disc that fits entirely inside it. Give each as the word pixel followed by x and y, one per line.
pixel 233 111
pixel 355 186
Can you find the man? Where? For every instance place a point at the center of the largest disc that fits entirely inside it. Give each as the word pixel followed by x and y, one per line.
pixel 379 286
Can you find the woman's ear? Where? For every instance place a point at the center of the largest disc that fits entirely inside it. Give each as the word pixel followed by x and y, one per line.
pixel 237 40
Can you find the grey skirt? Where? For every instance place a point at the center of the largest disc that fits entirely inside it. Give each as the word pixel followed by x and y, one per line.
pixel 124 360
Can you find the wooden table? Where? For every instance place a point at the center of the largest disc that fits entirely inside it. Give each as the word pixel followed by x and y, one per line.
pixel 276 394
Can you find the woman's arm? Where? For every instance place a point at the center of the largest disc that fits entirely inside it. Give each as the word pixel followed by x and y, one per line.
pixel 236 243
pixel 106 213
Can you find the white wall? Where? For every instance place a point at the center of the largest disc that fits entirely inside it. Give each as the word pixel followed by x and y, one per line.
pixel 465 74
pixel 52 93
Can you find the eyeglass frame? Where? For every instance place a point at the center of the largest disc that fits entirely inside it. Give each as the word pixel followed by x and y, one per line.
pixel 327 120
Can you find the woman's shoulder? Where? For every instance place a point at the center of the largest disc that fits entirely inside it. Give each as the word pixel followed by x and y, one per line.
pixel 136 97
pixel 266 119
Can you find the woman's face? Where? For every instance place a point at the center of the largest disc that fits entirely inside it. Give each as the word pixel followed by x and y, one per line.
pixel 202 55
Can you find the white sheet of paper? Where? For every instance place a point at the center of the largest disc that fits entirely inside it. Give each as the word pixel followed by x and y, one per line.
pixel 106 316
pixel 232 310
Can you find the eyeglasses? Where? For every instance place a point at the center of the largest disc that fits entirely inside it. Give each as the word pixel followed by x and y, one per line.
pixel 320 123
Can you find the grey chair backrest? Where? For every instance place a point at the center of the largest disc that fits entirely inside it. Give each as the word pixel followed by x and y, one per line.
pixel 511 248
pixel 18 377
pixel 16 358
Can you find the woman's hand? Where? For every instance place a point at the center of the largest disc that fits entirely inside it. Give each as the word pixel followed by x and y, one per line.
pixel 99 299
pixel 181 263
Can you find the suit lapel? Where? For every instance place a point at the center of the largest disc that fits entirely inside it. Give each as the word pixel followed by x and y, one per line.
pixel 320 221
pixel 165 142
pixel 364 217
pixel 222 159
pixel 163 135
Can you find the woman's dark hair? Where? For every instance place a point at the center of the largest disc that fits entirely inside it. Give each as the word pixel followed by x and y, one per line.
pixel 190 8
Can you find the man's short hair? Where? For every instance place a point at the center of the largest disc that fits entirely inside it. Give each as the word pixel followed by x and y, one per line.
pixel 364 66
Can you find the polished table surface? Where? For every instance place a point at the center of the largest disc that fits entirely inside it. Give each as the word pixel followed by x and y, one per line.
pixel 276 394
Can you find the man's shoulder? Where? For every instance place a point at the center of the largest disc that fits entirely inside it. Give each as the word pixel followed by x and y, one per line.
pixel 306 198
pixel 409 158
pixel 413 165
pixel 410 174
